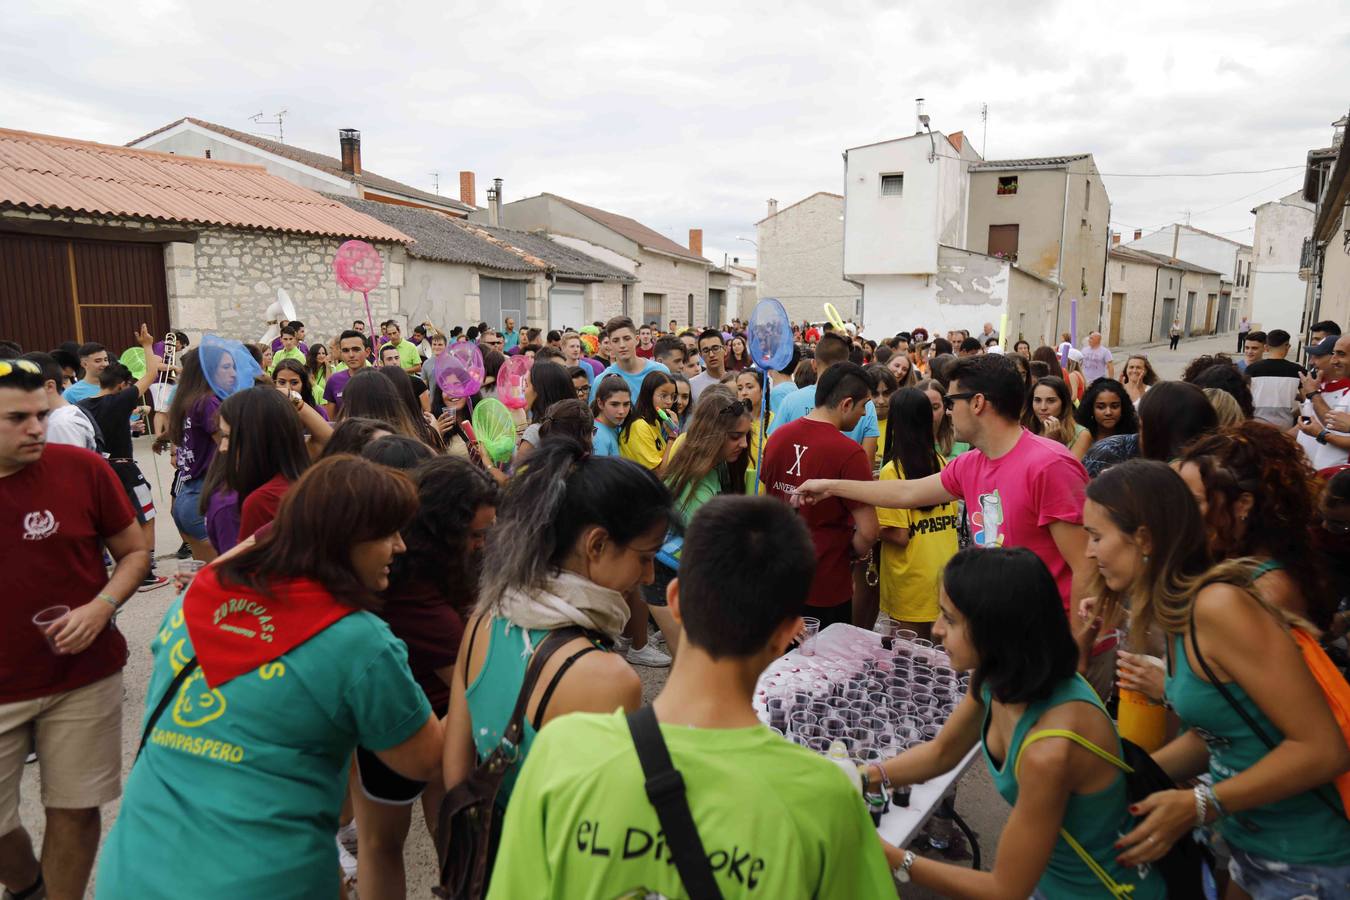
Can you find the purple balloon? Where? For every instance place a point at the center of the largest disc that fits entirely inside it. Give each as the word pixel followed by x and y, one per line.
pixel 460 370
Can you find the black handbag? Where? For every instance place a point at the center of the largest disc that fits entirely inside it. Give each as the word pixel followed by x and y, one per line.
pixel 1183 866
pixel 469 822
pixel 665 790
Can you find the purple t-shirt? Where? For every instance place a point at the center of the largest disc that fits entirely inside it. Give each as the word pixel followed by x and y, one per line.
pixel 199 448
pixel 1012 501
pixel 222 520
pixel 336 384
pixel 1094 362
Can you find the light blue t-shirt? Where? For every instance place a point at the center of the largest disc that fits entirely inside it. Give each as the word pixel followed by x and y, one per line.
pixel 606 440
pixel 80 390
pixel 634 381
pixel 802 401
pixel 779 394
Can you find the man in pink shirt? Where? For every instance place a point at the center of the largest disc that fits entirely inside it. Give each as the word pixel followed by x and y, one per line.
pixel 1020 489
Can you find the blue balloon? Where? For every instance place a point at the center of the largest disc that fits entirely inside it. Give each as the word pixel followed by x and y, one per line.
pixel 228 366
pixel 770 335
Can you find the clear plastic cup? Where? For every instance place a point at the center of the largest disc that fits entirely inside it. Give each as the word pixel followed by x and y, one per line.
pixel 833 726
pixel 929 732
pixel 907 734
pixel 873 724
pixel 887 715
pixel 923 657
pixel 879 699
pixel 819 708
pixel 922 643
pixel 818 744
pixel 861 738
pixel 811 631
pixel 906 634
pixel 850 716
pixel 944 694
pixel 48 617
pixel 809 731
pixel 854 694
pixel 944 672
pixel 920 682
pixel 925 701
pixel 185 571
pixel 870 756
pixel 914 722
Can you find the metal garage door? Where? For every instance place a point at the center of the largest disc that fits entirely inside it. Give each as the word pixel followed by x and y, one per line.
pixel 54 290
pixel 500 299
pixel 566 308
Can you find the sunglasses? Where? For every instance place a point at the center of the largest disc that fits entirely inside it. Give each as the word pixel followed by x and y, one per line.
pixel 7 366
pixel 949 401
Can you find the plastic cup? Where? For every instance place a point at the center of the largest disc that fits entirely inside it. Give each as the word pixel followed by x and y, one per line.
pixel 922 643
pixel 48 617
pixel 861 737
pixel 809 731
pixel 930 732
pixel 800 718
pixel 186 571
pixel 818 708
pixel 879 699
pixel 869 756
pixel 906 634
pixel 833 726
pixel 812 630
pixel 818 744
pixel 925 701
pixel 850 716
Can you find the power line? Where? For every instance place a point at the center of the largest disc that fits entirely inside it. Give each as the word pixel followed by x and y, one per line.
pixel 1194 174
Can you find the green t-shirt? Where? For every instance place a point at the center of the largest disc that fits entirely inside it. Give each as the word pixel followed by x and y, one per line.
pixel 408 357
pixel 239 789
pixel 293 353
pixel 775 819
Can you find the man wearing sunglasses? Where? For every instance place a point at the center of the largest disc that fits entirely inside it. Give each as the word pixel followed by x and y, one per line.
pixel 1020 489
pixel 60 662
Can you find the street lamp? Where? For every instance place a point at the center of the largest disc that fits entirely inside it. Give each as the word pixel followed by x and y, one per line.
pixel 747 240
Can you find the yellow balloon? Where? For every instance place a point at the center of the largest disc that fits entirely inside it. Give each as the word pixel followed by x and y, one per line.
pixel 833 315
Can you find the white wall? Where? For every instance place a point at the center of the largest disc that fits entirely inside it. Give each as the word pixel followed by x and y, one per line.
pixel 1277 244
pixel 968 290
pixel 900 234
pixel 1192 246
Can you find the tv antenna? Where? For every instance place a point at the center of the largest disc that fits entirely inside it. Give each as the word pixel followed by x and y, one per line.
pixel 277 121
pixel 984 120
pixel 436 183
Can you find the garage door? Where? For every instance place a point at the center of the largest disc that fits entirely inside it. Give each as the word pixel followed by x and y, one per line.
pixel 566 308
pixel 54 290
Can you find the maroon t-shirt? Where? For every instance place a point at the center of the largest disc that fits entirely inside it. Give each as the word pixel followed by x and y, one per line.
pixel 422 616
pixel 54 515
pixel 261 505
pixel 799 451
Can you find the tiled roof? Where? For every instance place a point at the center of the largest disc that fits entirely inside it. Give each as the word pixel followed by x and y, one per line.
pixel 436 237
pixel 632 229
pixel 330 164
pixel 1038 162
pixel 560 258
pixel 444 238
pixel 1147 257
pixel 42 172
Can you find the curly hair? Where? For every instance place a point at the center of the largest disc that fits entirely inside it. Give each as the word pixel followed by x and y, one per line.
pixel 1086 413
pixel 1256 458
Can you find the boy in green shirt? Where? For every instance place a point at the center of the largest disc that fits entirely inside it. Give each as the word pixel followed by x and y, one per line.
pixel 288 350
pixel 408 356
pixel 775 819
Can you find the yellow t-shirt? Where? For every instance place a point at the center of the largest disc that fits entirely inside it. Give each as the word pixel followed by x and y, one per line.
pixel 909 574
pixel 643 444
pixel 881 441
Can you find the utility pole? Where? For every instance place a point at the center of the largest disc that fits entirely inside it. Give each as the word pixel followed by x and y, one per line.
pixel 436 183
pixel 984 120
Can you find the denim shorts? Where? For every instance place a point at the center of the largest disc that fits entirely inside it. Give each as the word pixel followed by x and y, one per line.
pixel 655 593
pixel 187 514
pixel 1266 879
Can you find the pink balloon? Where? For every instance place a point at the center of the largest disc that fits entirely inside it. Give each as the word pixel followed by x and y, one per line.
pixel 511 381
pixel 358 266
pixel 459 370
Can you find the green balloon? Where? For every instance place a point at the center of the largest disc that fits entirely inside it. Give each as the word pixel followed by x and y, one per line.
pixel 495 429
pixel 134 359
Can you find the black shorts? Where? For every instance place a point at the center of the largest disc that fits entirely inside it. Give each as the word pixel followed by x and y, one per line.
pixel 382 784
pixel 655 593
pixel 136 487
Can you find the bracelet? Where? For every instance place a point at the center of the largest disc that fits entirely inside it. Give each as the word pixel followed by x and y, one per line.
pixel 1200 806
pixel 1213 798
pixel 110 600
pixel 885 782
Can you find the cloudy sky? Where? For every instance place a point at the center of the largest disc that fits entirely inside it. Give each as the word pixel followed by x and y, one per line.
pixel 691 114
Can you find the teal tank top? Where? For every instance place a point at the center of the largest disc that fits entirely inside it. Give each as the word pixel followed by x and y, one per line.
pixel 1298 829
pixel 1096 821
pixel 492 695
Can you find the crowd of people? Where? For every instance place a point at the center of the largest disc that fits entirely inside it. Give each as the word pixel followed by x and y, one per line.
pixel 377 612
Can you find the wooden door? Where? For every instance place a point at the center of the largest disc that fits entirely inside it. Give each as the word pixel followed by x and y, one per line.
pixel 1117 308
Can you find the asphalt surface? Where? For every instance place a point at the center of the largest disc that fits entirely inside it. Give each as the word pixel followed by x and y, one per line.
pixel 977 801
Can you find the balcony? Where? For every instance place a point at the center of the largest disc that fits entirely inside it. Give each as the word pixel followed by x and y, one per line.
pixel 1307 262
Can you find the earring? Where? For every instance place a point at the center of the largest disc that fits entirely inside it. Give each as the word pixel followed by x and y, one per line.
pixel 1145 557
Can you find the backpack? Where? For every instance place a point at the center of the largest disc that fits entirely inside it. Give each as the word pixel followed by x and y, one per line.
pixel 469 822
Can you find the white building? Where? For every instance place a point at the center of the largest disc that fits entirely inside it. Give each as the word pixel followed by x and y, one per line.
pixel 1277 293
pixel 1210 251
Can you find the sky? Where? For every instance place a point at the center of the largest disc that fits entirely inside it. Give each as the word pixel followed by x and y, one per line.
pixel 692 114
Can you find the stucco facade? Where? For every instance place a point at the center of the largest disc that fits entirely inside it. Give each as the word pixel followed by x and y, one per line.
pixel 801 260
pixel 1277 245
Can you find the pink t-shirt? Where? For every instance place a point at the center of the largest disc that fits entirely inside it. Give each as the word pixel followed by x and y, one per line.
pixel 1012 501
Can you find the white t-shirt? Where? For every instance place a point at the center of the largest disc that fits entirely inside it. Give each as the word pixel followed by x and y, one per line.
pixel 1322 456
pixel 71 425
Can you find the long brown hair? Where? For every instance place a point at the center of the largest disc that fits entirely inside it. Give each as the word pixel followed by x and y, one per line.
pixel 943 433
pixel 339 502
pixel 701 450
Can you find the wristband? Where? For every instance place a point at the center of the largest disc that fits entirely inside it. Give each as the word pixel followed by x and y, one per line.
pixel 1213 800
pixel 1322 438
pixel 1201 804
pixel 110 600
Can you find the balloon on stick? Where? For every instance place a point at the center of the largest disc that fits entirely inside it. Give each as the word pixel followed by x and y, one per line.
pixel 459 370
pixel 770 343
pixel 833 315
pixel 511 381
pixel 495 429
pixel 229 367
pixel 134 359
pixel 358 268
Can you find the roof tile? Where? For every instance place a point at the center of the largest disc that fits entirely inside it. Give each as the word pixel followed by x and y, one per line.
pixel 632 229
pixel 42 172
pixel 1037 162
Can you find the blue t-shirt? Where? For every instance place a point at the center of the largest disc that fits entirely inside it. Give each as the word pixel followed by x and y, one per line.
pixel 606 440
pixel 779 393
pixel 634 381
pixel 80 390
pixel 802 401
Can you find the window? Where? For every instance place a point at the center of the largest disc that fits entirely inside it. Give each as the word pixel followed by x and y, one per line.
pixel 1087 197
pixel 208 154
pixel 1122 272
pixel 1083 282
pixel 1003 241
pixel 892 185
pixel 1007 184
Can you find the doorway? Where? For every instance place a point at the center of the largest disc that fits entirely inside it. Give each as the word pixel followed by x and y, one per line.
pixel 1117 308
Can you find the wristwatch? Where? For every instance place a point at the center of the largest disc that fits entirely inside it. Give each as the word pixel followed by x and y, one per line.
pixel 901 872
pixel 1322 438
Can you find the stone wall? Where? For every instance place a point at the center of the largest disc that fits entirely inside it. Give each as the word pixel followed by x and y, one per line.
pixel 676 279
pixel 226 280
pixel 801 260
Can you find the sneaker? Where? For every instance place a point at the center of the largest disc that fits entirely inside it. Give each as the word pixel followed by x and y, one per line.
pixel 36 891
pixel 347 837
pixel 346 862
pixel 151 582
pixel 183 552
pixel 648 656
pixel 622 645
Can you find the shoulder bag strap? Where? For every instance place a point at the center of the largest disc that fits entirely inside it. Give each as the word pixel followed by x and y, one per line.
pixel 538 720
pixel 188 668
pixel 1115 888
pixel 1318 792
pixel 665 790
pixel 511 735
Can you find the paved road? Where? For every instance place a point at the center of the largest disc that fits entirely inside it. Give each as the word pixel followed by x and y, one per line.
pixel 977 801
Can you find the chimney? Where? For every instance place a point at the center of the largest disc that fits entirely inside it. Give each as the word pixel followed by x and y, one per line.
pixel 773 207
pixel 1115 238
pixel 696 241
pixel 1138 233
pixel 468 193
pixel 494 202
pixel 350 139
pixel 957 138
